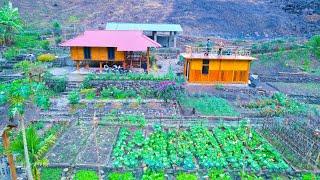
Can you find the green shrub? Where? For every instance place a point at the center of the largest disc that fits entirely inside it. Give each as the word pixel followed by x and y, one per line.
pixel 74 97
pixel 309 176
pixel 46 57
pixel 42 101
pixel 121 176
pixel 51 174
pixel 184 176
pixel 314 44
pixel 57 84
pixel 11 53
pixel 89 93
pixel 168 90
pixel 45 45
pixel 86 175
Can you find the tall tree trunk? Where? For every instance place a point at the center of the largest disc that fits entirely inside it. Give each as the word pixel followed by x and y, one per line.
pixel 25 148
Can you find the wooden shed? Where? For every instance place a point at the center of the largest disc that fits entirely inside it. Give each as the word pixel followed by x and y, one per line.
pixel 127 48
pixel 228 66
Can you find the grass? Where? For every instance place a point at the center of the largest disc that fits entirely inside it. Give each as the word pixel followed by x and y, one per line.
pixel 309 89
pixel 209 105
pixel 51 174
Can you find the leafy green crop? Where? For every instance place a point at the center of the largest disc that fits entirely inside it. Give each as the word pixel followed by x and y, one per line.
pixel 184 176
pixel 209 105
pixel 151 175
pixel 51 174
pixel 121 176
pixel 86 175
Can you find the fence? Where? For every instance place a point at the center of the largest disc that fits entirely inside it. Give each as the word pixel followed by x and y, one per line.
pixel 4 168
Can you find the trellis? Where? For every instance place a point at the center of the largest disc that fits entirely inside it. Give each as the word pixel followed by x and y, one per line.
pixel 296 136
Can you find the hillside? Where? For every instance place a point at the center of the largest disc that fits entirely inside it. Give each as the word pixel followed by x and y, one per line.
pixel 227 18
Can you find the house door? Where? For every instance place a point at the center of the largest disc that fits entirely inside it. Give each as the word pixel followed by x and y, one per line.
pixel 111 53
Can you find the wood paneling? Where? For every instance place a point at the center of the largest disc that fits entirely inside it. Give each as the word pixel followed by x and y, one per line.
pixel 119 56
pixel 97 54
pixel 220 71
pixel 76 53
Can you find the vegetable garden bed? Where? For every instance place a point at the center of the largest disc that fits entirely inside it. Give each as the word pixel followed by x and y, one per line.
pixel 197 147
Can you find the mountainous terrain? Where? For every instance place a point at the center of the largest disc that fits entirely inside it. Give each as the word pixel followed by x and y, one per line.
pixel 226 18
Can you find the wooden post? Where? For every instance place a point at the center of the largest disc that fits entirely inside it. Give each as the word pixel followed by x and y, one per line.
pixel 100 67
pixel 78 65
pixel 148 51
pixel 6 145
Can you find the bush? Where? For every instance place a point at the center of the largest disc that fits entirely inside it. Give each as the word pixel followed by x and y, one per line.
pixel 51 174
pixel 86 175
pixel 314 44
pixel 122 176
pixel 89 93
pixel 46 57
pixel 11 52
pixel 74 97
pixel 168 90
pixel 45 45
pixel 184 176
pixel 57 84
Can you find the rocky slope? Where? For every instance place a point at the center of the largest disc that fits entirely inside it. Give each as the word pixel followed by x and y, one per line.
pixel 227 18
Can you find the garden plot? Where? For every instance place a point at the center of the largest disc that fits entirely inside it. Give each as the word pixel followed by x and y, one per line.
pixel 208 106
pixel 69 144
pixel 146 108
pixel 197 147
pixel 303 89
pixel 103 139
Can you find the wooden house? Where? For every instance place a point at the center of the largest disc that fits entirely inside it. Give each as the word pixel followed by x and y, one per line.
pixel 126 48
pixel 230 65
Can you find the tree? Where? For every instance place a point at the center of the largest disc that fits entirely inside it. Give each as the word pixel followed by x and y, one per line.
pixel 73 20
pixel 16 95
pixel 314 45
pixel 10 23
pixel 36 149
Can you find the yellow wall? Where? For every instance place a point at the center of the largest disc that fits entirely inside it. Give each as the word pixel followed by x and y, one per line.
pixel 97 54
pixel 220 71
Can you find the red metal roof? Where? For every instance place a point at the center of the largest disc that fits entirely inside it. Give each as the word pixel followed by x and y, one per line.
pixel 122 40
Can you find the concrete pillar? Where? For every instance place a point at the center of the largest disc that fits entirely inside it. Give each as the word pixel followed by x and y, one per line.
pixel 78 65
pixel 154 34
pixel 170 39
pixel 175 39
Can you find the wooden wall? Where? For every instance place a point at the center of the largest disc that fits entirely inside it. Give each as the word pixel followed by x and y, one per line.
pixel 97 54
pixel 220 71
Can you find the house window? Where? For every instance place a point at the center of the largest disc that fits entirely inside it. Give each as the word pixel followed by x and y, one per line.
pixel 205 66
pixel 111 53
pixel 87 52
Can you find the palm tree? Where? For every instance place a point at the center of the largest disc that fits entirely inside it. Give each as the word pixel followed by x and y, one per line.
pixel 37 147
pixel 10 23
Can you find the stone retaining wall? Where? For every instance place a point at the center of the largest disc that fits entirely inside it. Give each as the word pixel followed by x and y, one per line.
pixel 289 78
pixel 134 84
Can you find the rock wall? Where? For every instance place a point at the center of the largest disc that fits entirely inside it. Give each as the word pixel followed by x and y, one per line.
pixel 289 78
pixel 136 85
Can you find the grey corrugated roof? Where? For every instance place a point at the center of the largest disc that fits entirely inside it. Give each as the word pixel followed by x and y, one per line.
pixel 143 27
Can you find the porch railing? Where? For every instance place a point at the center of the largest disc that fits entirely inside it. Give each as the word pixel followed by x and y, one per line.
pixel 217 50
